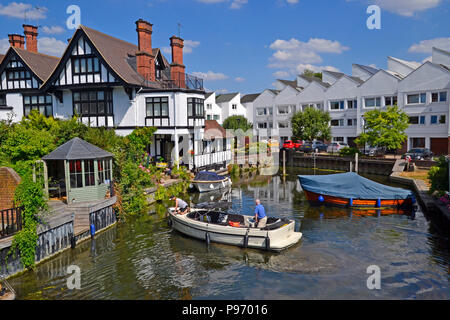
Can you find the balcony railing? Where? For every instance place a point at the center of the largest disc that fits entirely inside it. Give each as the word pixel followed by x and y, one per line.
pixel 176 80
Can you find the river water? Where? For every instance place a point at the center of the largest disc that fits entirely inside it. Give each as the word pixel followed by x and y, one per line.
pixel 144 259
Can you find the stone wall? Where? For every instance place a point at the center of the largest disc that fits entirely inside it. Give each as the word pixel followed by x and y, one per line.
pixel 9 180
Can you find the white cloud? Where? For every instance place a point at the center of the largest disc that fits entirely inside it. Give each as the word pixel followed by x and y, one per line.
pixel 189 46
pixel 4 45
pixel 292 1
pixel 281 74
pixel 426 46
pixel 239 79
pixel 51 46
pixel 210 76
pixel 235 4
pixel 53 30
pixel 302 67
pixel 221 91
pixel 22 10
pixel 293 56
pixel 406 7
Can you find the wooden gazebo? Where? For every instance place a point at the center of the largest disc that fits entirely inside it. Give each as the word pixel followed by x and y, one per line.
pixel 80 170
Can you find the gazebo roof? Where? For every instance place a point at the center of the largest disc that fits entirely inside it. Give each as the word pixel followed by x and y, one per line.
pixel 77 149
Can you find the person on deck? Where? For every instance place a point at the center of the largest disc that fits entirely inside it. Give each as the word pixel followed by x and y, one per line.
pixel 181 207
pixel 260 214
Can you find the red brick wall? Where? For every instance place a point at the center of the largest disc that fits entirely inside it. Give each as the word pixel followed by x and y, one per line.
pixel 9 180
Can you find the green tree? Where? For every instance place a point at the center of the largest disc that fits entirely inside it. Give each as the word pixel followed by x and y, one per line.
pixel 236 123
pixel 384 128
pixel 311 124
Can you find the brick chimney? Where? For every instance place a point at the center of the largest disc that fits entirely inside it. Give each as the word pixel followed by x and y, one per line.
pixel 31 34
pixel 145 60
pixel 17 41
pixel 177 68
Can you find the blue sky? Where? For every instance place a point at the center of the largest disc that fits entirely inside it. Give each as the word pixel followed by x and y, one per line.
pixel 244 45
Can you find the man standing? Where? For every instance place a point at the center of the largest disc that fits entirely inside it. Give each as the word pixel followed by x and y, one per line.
pixel 260 214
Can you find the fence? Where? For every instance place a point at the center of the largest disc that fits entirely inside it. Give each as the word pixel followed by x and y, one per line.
pixel 10 222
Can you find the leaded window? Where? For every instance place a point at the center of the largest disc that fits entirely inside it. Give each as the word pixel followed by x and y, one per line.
pixel 42 103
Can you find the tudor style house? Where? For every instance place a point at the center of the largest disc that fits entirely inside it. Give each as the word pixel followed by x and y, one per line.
pixel 108 82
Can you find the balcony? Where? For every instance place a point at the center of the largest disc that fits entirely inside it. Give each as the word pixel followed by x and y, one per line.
pixel 178 80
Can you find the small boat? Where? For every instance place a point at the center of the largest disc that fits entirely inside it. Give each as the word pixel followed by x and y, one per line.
pixel 7 292
pixel 234 229
pixel 352 190
pixel 210 181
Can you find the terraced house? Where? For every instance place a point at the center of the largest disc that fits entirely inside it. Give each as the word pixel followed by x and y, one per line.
pixel 108 82
pixel 421 90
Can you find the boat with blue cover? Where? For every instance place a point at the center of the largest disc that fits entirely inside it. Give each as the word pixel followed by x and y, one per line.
pixel 206 181
pixel 352 190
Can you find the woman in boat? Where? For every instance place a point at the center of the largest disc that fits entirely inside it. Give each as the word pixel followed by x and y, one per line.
pixel 181 206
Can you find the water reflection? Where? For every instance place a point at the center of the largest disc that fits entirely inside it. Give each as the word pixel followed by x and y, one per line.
pixel 144 259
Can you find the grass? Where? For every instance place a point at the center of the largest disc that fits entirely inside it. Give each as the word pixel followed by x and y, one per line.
pixel 419 174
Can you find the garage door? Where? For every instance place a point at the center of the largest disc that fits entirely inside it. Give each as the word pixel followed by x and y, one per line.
pixel 439 146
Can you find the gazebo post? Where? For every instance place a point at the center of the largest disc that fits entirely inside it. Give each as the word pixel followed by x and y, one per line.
pixel 46 179
pixel 67 178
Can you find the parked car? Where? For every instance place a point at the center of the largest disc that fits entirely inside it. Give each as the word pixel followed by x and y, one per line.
pixel 419 154
pixel 298 144
pixel 335 147
pixel 311 147
pixel 374 151
pixel 288 144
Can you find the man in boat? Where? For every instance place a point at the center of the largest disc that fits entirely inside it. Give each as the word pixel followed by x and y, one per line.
pixel 181 206
pixel 260 214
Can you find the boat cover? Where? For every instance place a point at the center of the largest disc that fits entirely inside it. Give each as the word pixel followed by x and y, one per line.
pixel 208 176
pixel 351 185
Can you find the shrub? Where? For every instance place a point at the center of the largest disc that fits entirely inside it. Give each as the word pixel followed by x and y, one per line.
pixel 438 176
pixel 349 152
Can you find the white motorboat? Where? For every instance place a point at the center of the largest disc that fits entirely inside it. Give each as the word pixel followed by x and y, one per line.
pixel 210 181
pixel 237 230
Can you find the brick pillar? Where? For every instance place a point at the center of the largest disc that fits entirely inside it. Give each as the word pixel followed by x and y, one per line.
pixel 9 180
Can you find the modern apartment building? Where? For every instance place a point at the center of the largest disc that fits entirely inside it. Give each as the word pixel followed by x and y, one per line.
pixel 421 90
pixel 108 82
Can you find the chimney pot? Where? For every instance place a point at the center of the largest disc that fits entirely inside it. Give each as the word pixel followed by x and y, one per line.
pixel 145 60
pixel 177 68
pixel 17 41
pixel 31 33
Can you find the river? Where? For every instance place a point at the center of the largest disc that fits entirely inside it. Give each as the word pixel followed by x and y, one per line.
pixel 143 258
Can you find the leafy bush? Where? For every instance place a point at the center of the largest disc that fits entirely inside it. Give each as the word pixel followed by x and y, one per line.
pixel 439 176
pixel 349 151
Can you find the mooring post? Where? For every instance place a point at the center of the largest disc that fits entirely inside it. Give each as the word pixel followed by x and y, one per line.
pixel 284 163
pixel 351 166
pixel 356 162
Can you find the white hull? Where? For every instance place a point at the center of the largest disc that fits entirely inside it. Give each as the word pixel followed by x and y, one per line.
pixel 279 239
pixel 207 186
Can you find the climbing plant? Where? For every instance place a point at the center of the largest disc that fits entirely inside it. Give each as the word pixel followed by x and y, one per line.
pixel 30 196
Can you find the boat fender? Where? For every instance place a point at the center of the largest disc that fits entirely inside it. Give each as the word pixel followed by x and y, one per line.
pixel 350 202
pixel 246 240
pixel 92 230
pixel 169 222
pixel 267 243
pixel 321 199
pixel 208 239
pixel 379 203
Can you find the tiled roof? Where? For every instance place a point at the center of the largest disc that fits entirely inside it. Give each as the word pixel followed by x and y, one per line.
pixel 250 97
pixel 41 64
pixel 214 130
pixel 77 149
pixel 120 55
pixel 226 97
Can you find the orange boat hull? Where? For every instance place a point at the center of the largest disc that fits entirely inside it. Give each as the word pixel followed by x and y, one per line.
pixel 399 203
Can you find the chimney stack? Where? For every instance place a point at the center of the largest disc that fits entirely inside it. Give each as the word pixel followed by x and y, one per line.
pixel 145 60
pixel 177 67
pixel 31 35
pixel 17 41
